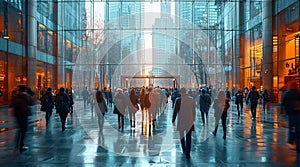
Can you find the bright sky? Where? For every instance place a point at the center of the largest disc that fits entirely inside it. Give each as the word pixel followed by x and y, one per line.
pixel 152 11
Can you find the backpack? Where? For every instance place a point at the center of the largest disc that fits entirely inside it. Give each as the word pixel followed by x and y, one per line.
pixel 147 101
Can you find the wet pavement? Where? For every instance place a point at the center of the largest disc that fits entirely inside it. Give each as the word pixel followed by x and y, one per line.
pixel 248 143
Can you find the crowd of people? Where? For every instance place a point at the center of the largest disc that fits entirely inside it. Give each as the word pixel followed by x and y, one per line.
pixel 152 102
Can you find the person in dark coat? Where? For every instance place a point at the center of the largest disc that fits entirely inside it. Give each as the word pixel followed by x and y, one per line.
pixel 253 96
pixel 265 99
pixel 102 109
pixel 47 102
pixel 133 107
pixel 120 107
pixel 62 104
pixel 71 97
pixel 291 104
pixel 110 98
pixel 185 108
pixel 204 102
pixel 239 102
pixel 21 103
pixel 106 93
pixel 174 95
pixel 221 105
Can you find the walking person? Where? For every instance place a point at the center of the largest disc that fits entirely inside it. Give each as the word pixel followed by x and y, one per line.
pixel 174 95
pixel 204 102
pixel 47 102
pixel 291 104
pixel 153 109
pixel 133 107
pixel 110 98
pixel 71 97
pixel 102 109
pixel 106 93
pixel 21 103
pixel 62 103
pixel 239 102
pixel 143 102
pixel 185 108
pixel 253 96
pixel 265 99
pixel 120 107
pixel 221 105
pixel 85 95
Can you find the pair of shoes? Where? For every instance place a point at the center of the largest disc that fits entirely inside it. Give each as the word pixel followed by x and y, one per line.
pixel 24 148
pixel 63 128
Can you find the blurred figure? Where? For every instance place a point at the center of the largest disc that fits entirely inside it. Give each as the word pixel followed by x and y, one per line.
pixel 102 109
pixel 185 108
pixel 204 102
pixel 110 98
pixel 228 95
pixel 21 103
pixel 143 102
pixel 265 99
pixel 106 95
pixel 253 96
pixel 221 105
pixel 14 91
pixel 62 103
pixel 133 107
pixel 47 102
pixel 71 97
pixel 153 109
pixel 30 91
pixel 239 102
pixel 85 95
pixel 291 104
pixel 174 95
pixel 120 107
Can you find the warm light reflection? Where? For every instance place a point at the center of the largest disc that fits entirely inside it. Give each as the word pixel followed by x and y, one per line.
pixel 68 44
pixel 50 32
pixel 260 144
pixel 42 26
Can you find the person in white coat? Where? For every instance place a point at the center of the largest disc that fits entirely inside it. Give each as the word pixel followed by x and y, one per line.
pixel 185 108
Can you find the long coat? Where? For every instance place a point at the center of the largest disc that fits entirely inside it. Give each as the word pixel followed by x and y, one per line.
pixel 186 111
pixel 121 102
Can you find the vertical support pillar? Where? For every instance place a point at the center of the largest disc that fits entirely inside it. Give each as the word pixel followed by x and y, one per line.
pixel 60 59
pixel 31 42
pixel 267 65
pixel 236 47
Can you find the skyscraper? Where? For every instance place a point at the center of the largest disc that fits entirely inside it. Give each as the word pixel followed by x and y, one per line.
pixel 163 40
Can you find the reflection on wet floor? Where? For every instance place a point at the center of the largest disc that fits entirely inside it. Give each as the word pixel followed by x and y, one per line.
pixel 259 143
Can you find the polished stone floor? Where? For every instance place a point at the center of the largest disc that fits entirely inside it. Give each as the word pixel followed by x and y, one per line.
pixel 248 143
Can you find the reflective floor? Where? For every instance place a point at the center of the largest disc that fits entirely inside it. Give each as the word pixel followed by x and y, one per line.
pixel 248 143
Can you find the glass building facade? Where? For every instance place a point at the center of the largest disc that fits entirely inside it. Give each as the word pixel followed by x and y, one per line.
pixel 98 44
